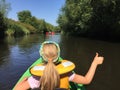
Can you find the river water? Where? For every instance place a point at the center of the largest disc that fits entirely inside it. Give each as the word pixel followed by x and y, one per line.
pixel 17 54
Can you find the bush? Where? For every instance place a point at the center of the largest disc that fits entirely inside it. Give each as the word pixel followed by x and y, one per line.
pixel 10 32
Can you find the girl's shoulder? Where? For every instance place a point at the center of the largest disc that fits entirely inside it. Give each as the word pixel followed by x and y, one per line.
pixel 34 81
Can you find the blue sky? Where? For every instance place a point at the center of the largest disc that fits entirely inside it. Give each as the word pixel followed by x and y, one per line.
pixel 41 9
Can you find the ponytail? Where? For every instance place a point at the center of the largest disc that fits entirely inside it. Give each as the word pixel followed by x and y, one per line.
pixel 50 79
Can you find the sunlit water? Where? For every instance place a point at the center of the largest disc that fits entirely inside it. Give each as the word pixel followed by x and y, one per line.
pixel 17 54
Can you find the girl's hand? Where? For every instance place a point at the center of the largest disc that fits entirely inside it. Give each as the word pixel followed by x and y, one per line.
pixel 98 59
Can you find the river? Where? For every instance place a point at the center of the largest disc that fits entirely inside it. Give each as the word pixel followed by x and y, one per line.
pixel 17 54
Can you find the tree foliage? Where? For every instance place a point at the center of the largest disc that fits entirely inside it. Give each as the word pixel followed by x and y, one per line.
pixel 4 7
pixel 40 24
pixel 17 28
pixel 91 17
pixel 24 16
pixel 3 25
pixel 106 17
pixel 75 16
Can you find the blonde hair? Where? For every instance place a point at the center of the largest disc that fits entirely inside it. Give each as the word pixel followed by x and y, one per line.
pixel 53 48
pixel 50 51
pixel 50 79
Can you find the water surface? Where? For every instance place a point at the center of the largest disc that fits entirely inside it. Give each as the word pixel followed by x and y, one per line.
pixel 17 54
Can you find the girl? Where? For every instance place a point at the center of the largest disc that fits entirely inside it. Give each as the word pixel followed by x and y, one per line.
pixel 51 79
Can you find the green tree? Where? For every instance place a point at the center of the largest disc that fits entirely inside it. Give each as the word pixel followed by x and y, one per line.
pixel 43 26
pixel 39 24
pixel 24 16
pixel 50 27
pixel 4 7
pixel 3 25
pixel 17 28
pixel 106 18
pixel 75 16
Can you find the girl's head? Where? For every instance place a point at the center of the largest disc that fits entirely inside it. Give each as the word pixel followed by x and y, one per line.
pixel 49 51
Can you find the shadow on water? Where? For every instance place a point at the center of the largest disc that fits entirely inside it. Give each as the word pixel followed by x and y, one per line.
pixel 17 54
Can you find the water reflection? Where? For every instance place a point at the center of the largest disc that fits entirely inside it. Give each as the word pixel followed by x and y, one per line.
pixel 56 37
pixel 3 52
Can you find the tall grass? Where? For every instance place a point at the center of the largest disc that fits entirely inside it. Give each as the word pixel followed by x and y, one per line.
pixel 17 28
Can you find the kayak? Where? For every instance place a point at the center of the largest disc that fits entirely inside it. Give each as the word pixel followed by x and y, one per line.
pixel 73 86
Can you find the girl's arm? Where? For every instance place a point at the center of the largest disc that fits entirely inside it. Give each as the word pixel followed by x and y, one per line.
pixel 23 85
pixel 90 74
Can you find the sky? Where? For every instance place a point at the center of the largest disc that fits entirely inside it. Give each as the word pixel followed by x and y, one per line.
pixel 41 9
